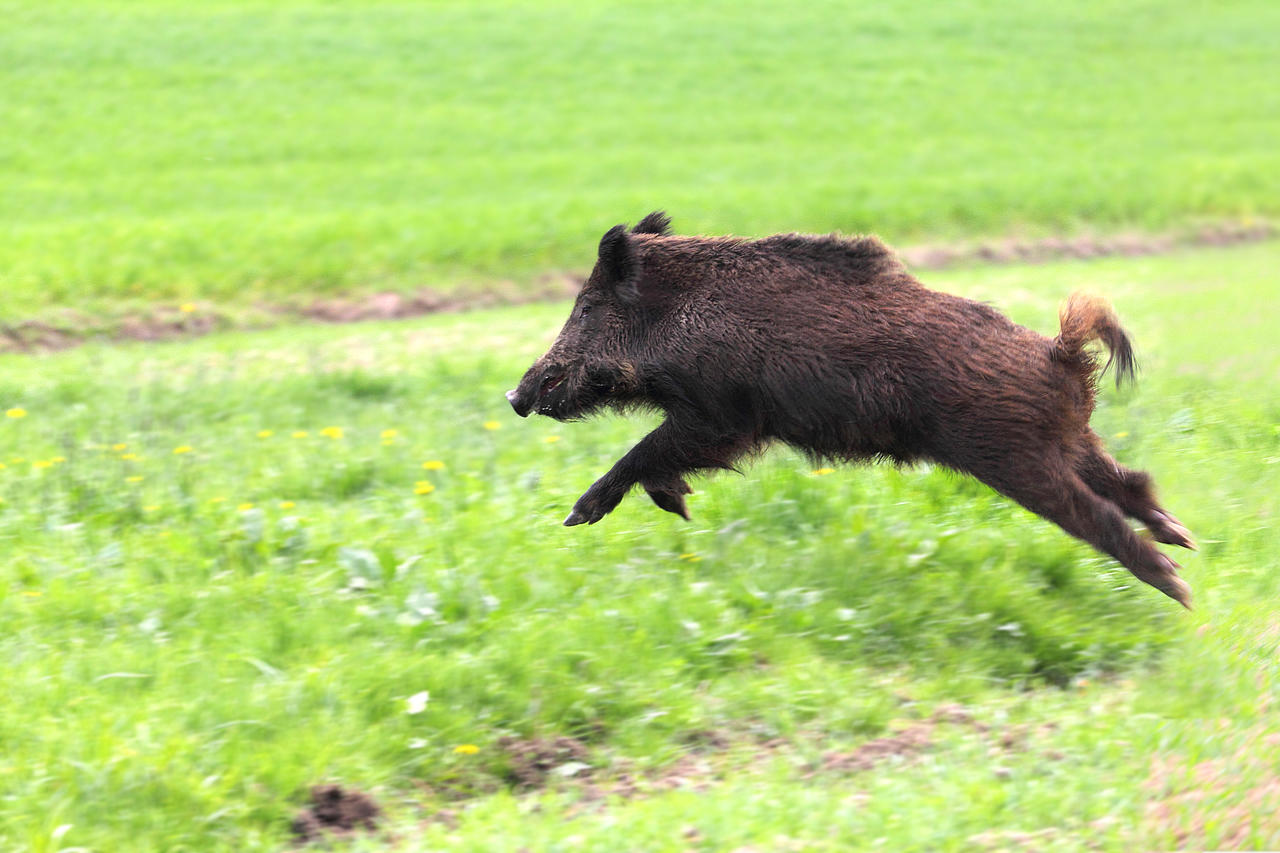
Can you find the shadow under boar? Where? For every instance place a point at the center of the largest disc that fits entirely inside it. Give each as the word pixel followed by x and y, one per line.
pixel 829 345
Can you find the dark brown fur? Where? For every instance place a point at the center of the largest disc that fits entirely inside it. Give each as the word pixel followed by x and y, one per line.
pixel 829 345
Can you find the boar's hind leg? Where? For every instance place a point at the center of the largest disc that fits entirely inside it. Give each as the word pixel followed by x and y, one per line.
pixel 1132 492
pixel 1057 493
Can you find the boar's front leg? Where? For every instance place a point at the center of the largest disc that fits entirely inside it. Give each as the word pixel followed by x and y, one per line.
pixel 658 462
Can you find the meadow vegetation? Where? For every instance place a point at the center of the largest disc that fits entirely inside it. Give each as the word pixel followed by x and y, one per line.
pixel 230 154
pixel 239 566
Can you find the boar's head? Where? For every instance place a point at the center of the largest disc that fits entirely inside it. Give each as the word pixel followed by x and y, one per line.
pixel 593 361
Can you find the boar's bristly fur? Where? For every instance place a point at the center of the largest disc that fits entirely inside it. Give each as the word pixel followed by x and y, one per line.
pixel 828 344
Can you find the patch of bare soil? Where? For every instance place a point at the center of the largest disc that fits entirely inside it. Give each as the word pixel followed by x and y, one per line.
pixel 335 812
pixel 73 328
pixel 395 306
pixel 532 762
pixel 1228 803
pixel 164 322
pixel 904 745
pixel 529 765
pixel 1015 251
pixel 717 754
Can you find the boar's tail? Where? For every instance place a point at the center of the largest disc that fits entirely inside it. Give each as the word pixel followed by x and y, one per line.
pixel 1084 318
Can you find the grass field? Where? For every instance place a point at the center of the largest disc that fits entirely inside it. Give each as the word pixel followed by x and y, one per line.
pixel 231 569
pixel 235 568
pixel 236 153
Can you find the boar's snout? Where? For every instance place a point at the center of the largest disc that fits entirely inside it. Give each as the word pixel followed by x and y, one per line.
pixel 539 391
pixel 522 406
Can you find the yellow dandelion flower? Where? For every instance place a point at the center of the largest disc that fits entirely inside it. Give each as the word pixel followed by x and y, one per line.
pixel 57 459
pixel 133 479
pixel 819 472
pixel 131 456
pixel 690 558
pixel 217 500
pixel 466 749
pixel 15 413
pixel 187 307
pixel 32 593
pixel 2 466
pixel 1122 434
pixel 332 432
pixel 265 433
pixel 245 506
pixel 300 433
pixel 182 448
pixel 492 425
pixel 433 465
pixel 151 507
pixel 287 504
pixel 422 487
pixel 41 463
pixel 550 439
pixel 390 433
pixel 118 447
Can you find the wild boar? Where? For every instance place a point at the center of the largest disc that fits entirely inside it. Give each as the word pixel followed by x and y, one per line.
pixel 828 344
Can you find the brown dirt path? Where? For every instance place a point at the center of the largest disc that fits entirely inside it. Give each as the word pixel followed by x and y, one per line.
pixel 168 322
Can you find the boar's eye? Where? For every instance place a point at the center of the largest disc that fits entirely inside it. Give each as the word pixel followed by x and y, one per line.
pixel 584 311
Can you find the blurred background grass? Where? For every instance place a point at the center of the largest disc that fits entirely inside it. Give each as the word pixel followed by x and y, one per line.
pixel 240 151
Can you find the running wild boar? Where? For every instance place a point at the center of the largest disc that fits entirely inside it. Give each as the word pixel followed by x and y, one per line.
pixel 828 344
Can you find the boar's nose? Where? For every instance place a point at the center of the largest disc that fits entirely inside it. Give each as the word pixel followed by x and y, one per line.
pixel 522 407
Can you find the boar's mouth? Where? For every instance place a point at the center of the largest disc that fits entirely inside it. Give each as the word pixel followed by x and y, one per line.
pixel 552 397
pixel 552 382
pixel 565 399
pixel 565 393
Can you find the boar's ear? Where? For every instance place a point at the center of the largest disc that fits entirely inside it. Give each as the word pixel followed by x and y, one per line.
pixel 618 266
pixel 655 223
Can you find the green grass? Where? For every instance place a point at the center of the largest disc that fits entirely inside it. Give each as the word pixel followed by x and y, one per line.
pixel 180 667
pixel 248 152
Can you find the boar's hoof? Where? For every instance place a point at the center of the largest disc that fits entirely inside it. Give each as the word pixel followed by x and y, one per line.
pixel 1177 589
pixel 1167 581
pixel 598 502
pixel 593 506
pixel 1170 531
pixel 579 517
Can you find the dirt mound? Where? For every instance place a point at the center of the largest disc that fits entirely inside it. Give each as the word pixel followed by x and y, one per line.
pixel 335 811
pixel 532 761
